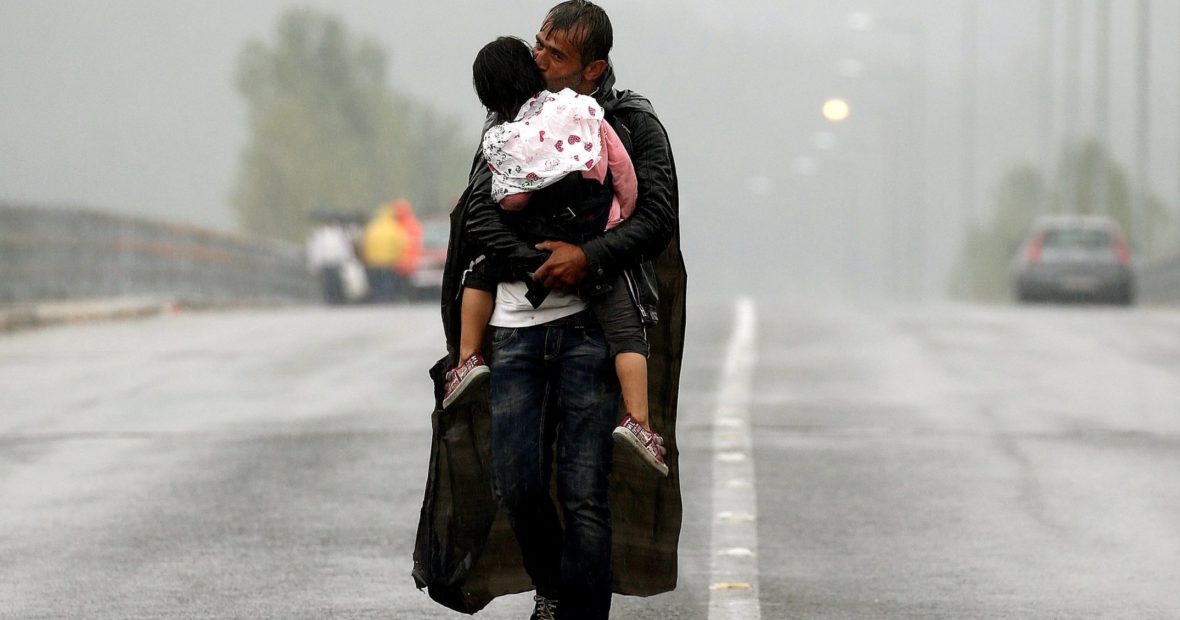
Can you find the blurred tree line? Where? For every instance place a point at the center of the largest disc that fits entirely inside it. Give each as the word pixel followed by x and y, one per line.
pixel 1086 173
pixel 329 133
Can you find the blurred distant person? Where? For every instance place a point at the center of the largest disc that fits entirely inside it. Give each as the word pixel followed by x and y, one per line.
pixel 404 214
pixel 329 251
pixel 354 225
pixel 383 247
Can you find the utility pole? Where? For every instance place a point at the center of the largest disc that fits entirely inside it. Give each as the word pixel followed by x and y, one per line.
pixel 969 216
pixel 1102 105
pixel 918 215
pixel 1139 215
pixel 1048 28
pixel 970 61
pixel 1048 44
pixel 1073 54
pixel 1073 61
pixel 918 105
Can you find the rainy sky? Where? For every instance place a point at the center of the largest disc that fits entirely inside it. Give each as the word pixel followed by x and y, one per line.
pixel 129 106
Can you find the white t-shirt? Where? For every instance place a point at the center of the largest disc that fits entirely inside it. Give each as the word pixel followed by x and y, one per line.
pixel 514 310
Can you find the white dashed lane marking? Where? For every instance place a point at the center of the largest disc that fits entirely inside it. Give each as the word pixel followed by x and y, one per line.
pixel 733 590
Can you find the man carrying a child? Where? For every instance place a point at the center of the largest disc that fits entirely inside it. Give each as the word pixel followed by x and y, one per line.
pixel 554 394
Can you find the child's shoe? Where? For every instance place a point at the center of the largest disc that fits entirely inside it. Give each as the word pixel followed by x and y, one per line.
pixel 648 444
pixel 464 378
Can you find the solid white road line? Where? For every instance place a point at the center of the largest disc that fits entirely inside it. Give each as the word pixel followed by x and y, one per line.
pixel 733 593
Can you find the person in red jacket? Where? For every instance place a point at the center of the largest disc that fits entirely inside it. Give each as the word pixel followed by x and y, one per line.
pixel 403 213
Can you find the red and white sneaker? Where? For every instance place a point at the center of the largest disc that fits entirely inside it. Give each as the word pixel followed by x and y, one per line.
pixel 647 444
pixel 462 379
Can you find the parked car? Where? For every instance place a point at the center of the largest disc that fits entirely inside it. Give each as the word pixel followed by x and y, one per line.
pixel 1074 258
pixel 426 281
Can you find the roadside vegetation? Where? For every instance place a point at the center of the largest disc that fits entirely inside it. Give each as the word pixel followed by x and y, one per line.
pixel 329 134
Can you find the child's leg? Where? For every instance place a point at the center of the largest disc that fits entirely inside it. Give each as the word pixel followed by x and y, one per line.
pixel 475 313
pixel 632 370
pixel 624 334
pixel 625 337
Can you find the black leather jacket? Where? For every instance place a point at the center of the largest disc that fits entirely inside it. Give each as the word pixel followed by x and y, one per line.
pixel 628 248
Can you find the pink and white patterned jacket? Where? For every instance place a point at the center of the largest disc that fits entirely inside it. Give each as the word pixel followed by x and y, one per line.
pixel 553 135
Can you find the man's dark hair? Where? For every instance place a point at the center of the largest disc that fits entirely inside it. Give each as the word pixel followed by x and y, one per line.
pixel 583 20
pixel 505 76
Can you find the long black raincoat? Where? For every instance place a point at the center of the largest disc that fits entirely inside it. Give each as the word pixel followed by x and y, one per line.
pixel 465 553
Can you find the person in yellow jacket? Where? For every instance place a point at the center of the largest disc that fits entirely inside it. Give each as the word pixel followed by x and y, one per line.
pixel 383 247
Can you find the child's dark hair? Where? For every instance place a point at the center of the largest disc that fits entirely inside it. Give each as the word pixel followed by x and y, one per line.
pixel 505 76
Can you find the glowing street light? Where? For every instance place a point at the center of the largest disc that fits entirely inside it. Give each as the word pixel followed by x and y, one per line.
pixel 835 109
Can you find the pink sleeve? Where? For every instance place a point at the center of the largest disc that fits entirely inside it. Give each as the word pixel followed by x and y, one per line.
pixel 623 173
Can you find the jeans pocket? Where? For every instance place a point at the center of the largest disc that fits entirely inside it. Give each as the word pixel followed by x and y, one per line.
pixel 502 335
pixel 595 337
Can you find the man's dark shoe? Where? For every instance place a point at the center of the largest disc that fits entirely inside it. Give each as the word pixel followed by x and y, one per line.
pixel 545 609
pixel 462 380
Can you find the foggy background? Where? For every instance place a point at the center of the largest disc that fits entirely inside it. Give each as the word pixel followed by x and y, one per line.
pixel 129 106
pixel 915 457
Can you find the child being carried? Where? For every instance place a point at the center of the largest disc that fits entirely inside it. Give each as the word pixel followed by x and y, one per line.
pixel 542 138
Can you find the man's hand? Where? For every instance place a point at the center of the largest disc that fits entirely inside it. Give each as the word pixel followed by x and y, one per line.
pixel 565 268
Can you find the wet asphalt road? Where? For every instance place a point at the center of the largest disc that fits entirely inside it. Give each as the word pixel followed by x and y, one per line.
pixel 912 462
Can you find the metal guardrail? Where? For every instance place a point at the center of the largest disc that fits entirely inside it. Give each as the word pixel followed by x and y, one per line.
pixel 61 254
pixel 65 254
pixel 1158 281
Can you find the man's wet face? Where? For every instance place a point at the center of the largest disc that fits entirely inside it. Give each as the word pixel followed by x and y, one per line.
pixel 559 58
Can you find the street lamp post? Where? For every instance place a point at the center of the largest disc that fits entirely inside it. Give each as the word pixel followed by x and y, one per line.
pixel 870 147
pixel 846 198
pixel 913 30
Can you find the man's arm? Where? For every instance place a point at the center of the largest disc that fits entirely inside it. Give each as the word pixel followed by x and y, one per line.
pixel 485 227
pixel 643 235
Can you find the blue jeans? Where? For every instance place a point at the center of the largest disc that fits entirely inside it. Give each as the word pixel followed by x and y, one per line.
pixel 554 386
